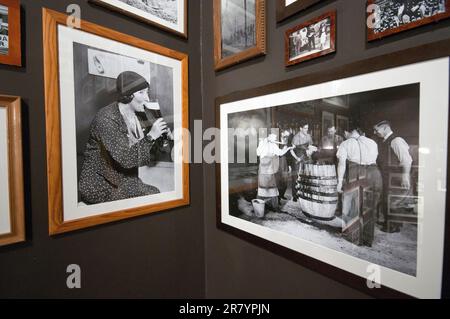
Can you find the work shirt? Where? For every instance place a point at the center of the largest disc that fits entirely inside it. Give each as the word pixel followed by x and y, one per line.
pixel 360 150
pixel 401 150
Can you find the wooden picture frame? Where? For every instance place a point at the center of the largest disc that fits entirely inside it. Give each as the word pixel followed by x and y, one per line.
pixel 14 167
pixel 284 12
pixel 372 14
pixel 289 40
pixel 54 26
pixel 240 102
pixel 180 29
pixel 258 49
pixel 13 54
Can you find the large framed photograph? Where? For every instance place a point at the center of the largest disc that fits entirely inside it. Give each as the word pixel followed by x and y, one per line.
pixel 170 15
pixel 10 43
pixel 115 116
pixel 333 208
pixel 239 31
pixel 311 39
pixel 12 220
pixel 387 17
pixel 287 8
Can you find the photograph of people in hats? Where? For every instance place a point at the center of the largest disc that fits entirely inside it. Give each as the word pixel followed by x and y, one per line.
pixel 355 192
pixel 124 125
pixel 393 14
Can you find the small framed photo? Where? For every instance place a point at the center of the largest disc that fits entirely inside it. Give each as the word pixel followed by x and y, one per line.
pixel 287 8
pixel 116 109
pixel 10 45
pixel 342 124
pixel 12 222
pixel 239 31
pixel 387 17
pixel 327 122
pixel 350 207
pixel 311 40
pixel 170 15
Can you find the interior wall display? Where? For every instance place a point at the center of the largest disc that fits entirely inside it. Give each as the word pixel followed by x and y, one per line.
pixel 311 39
pixel 287 8
pixel 12 223
pixel 387 17
pixel 10 45
pixel 170 15
pixel 331 206
pixel 239 31
pixel 115 112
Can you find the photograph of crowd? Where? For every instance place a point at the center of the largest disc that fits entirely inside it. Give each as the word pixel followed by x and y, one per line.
pixel 391 16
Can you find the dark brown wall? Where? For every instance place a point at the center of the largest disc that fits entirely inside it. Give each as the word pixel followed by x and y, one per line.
pixel 235 268
pixel 158 255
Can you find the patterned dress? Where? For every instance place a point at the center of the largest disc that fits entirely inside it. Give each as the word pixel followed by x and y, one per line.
pixel 111 163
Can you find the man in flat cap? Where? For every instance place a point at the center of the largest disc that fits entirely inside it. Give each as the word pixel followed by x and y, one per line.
pixel 120 142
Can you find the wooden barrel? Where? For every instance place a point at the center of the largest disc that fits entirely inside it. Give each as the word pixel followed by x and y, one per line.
pixel 316 189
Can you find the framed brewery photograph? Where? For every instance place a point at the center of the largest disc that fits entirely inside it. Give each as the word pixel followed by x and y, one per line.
pixel 170 15
pixel 323 196
pixel 387 17
pixel 10 43
pixel 239 31
pixel 12 206
pixel 311 39
pixel 287 8
pixel 116 109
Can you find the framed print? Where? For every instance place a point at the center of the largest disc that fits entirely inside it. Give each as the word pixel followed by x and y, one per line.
pixel 327 122
pixel 12 221
pixel 311 40
pixel 168 15
pixel 287 8
pixel 321 215
pixel 239 31
pixel 115 113
pixel 10 43
pixel 387 17
pixel 342 124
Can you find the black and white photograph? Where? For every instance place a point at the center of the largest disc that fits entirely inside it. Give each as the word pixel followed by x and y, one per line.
pixel 392 16
pixel 315 193
pixel 4 33
pixel 238 26
pixel 357 191
pixel 310 40
pixel 166 10
pixel 168 14
pixel 122 112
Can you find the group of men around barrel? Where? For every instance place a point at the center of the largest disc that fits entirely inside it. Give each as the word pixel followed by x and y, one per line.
pixel 378 160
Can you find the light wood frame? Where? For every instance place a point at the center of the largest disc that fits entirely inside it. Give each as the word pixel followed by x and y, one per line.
pixel 255 51
pixel 14 56
pixel 151 22
pixel 287 43
pixel 284 12
pixel 371 36
pixel 57 225
pixel 15 169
